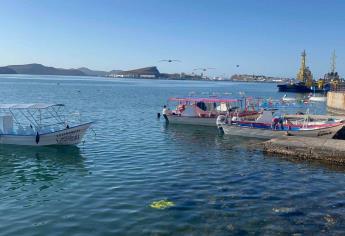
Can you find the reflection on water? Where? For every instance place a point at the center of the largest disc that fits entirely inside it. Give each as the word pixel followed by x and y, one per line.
pixel 38 167
pixel 204 136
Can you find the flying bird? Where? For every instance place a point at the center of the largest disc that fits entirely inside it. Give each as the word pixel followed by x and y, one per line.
pixel 169 60
pixel 205 69
pixel 237 65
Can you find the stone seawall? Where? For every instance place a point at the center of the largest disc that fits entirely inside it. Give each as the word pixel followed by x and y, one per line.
pixel 329 150
pixel 336 101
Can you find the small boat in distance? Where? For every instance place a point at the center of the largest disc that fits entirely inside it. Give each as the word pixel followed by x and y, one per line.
pixel 204 111
pixel 39 124
pixel 268 126
pixel 285 98
pixel 318 99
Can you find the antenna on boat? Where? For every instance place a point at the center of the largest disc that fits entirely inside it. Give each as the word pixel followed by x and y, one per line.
pixel 306 119
pixel 333 64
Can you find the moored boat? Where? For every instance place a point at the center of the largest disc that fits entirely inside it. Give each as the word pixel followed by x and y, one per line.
pixel 305 82
pixel 39 124
pixel 285 98
pixel 294 87
pixel 318 99
pixel 204 111
pixel 266 126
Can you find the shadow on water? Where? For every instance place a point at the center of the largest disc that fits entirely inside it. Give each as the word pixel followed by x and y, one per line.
pixel 24 164
pixel 311 163
pixel 208 137
pixel 190 132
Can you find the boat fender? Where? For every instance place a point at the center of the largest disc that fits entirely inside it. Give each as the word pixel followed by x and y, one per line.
pixel 158 115
pixel 221 120
pixel 37 138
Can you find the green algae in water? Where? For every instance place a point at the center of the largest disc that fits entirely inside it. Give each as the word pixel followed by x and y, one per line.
pixel 162 204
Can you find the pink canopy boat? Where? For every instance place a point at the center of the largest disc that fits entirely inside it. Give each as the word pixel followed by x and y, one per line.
pixel 204 111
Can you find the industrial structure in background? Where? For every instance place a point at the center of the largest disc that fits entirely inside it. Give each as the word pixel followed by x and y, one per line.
pixel 332 76
pixel 304 74
pixel 336 97
pixel 306 84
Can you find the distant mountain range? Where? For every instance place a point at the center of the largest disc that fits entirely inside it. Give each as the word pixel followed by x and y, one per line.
pixel 6 70
pixel 39 69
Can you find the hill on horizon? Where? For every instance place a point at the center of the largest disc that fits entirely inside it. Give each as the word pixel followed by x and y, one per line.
pixel 152 70
pixel 90 72
pixel 39 69
pixel 6 70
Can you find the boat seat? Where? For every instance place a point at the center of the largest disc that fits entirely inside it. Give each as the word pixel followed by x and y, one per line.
pixel 265 117
pixel 189 111
pixel 200 112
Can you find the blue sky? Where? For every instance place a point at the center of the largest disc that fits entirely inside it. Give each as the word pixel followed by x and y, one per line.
pixel 263 37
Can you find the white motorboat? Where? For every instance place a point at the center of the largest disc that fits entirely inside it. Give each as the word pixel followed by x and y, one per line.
pixel 266 127
pixel 317 99
pixel 285 98
pixel 39 124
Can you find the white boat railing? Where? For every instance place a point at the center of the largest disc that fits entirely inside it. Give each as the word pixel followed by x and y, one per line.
pixel 32 118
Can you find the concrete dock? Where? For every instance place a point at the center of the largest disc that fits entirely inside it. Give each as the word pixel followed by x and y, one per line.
pixel 336 101
pixel 305 148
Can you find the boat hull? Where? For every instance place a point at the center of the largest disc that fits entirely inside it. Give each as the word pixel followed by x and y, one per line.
pixel 203 121
pixel 300 88
pixel 70 136
pixel 296 88
pixel 324 133
pixel 191 120
pixel 318 99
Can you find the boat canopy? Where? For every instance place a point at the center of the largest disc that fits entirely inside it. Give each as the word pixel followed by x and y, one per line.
pixel 29 105
pixel 205 100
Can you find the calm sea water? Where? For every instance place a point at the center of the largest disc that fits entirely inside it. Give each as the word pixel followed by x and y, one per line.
pixel 219 185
